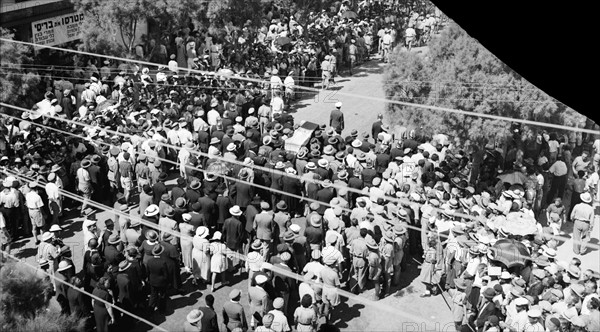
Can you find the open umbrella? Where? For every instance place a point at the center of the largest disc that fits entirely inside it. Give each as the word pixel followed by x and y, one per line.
pixel 519 223
pixel 509 252
pixel 349 14
pixel 513 177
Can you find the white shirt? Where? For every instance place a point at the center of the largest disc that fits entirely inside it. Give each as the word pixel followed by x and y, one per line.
pixel 315 268
pixel 387 39
pixel 33 200
pixel 277 104
pixel 173 66
pixel 289 82
pixel 280 323
pixel 173 137
pixel 212 117
pixel 184 136
pixel 275 82
pixel 410 33
pixel 52 191
pixel 591 184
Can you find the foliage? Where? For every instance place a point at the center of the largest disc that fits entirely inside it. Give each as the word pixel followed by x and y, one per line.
pixel 19 87
pixel 24 302
pixel 458 73
pixel 111 26
pixel 22 293
pixel 45 321
pixel 234 11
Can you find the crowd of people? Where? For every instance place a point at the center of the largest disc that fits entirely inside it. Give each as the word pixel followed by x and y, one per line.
pixel 346 210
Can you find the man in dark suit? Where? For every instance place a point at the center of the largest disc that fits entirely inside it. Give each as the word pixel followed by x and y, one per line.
pixel 178 190
pixel 233 232
pixel 112 255
pixel 159 188
pixel 203 139
pixel 158 279
pixel 536 288
pixel 376 128
pixel 485 309
pixel 223 204
pixel 241 192
pixel 336 118
pixel 171 256
pixel 208 208
pixel 192 194
pixel 126 290
pixel 196 217
pixel 325 195
pixel 209 319
pixel 263 223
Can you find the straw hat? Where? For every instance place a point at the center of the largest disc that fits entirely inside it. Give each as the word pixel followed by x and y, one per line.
pixel 202 232
pixel 63 265
pixel 315 220
pixel 194 316
pixel 235 211
pixel 586 197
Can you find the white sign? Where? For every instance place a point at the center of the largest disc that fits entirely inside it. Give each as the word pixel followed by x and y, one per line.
pixel 57 30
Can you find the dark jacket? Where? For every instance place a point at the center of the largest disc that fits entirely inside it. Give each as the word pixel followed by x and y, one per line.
pixel 158 272
pixel 233 233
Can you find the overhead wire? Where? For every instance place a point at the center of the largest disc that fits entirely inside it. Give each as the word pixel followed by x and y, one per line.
pixel 96 298
pixel 377 99
pixel 154 71
pixel 201 87
pixel 241 256
pixel 399 201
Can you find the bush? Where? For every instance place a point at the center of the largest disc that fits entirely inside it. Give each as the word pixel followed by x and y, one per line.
pixel 24 303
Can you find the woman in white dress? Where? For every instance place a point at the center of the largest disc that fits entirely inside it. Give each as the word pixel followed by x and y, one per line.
pixel 201 256
pixel 186 244
pixel 218 261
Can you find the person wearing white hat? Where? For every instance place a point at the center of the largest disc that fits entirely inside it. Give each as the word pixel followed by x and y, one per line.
pixel 258 297
pixel 90 231
pixel 233 232
pixel 200 256
pixel 47 251
pixel 336 118
pixel 325 72
pixel 219 262
pixel 54 197
pixel 193 321
pixel 534 316
pixel 289 83
pixel 582 217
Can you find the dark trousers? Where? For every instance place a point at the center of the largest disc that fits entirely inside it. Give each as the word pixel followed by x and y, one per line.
pixel 557 189
pixel 158 297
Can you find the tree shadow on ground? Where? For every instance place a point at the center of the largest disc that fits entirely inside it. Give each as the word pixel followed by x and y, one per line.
pixel 26 253
pixel 348 312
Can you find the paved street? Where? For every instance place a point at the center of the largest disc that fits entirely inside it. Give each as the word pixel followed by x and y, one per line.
pixel 350 315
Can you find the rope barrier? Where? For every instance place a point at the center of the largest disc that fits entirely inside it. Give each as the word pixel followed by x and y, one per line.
pixel 377 99
pixel 302 198
pixel 96 298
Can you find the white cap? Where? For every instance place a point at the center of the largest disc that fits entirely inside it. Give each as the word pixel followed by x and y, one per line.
pixel 338 104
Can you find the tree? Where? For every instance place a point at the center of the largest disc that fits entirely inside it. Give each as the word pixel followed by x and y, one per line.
pixel 19 86
pixel 111 27
pixel 24 300
pixel 458 73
